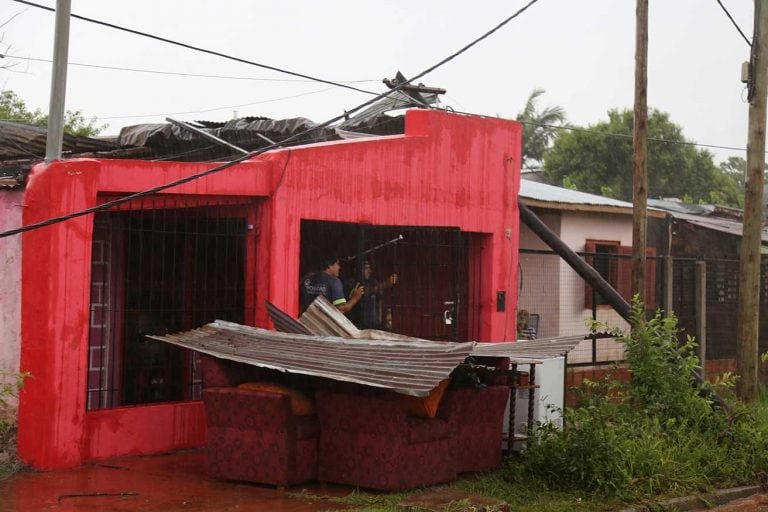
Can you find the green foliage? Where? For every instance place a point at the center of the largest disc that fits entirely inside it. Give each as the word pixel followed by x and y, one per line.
pixel 539 128
pixel 599 160
pixel 10 385
pixel 13 108
pixel 657 435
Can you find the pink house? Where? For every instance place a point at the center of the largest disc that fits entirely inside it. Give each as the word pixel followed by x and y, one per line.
pixel 220 246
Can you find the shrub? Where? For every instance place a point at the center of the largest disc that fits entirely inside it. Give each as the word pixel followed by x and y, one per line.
pixel 658 434
pixel 10 385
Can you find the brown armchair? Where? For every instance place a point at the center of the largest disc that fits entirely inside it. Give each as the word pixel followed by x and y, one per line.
pixel 254 435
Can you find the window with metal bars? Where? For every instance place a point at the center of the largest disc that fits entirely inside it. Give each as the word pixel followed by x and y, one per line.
pixel 164 265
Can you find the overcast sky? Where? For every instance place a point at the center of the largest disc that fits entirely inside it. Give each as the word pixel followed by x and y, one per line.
pixel 580 51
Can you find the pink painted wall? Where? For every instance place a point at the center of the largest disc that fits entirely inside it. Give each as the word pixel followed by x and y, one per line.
pixel 11 206
pixel 447 170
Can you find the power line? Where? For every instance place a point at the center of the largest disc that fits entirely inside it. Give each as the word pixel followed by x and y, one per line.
pixel 248 156
pixel 734 22
pixel 199 49
pixel 172 73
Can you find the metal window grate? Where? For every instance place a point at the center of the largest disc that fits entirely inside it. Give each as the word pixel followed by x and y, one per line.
pixel 164 265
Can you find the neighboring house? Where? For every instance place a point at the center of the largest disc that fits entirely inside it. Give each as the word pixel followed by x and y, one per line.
pixel 708 237
pixel 220 246
pixel 598 226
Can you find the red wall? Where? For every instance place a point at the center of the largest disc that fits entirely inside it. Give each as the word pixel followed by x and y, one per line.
pixel 447 170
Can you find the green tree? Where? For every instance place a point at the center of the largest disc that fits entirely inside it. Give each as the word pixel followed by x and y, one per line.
pixel 13 108
pixel 539 128
pixel 599 160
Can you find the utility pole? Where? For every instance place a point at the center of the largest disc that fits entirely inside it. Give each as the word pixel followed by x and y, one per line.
pixel 749 268
pixel 55 137
pixel 640 151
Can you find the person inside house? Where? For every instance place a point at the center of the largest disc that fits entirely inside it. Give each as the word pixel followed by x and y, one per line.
pixel 524 331
pixel 326 282
pixel 368 315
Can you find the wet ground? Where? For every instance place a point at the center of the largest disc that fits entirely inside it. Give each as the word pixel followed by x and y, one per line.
pixel 168 483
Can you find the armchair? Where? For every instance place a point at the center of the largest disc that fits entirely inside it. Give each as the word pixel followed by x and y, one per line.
pixel 476 420
pixel 254 435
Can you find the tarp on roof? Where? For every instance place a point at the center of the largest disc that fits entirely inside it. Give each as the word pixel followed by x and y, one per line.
pixel 19 140
pixel 410 368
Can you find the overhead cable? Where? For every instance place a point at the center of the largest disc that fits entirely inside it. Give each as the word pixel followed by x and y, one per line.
pixel 175 73
pixel 111 204
pixel 199 49
pixel 734 22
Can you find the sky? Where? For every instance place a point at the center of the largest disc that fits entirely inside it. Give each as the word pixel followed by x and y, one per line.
pixel 581 52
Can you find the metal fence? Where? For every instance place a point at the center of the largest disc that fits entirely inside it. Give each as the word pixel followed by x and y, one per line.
pixel 703 295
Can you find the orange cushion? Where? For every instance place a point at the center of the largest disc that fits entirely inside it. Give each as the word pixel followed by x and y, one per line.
pixel 300 404
pixel 424 407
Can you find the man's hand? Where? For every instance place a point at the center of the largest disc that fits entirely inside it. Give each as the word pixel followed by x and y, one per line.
pixel 357 293
pixel 393 280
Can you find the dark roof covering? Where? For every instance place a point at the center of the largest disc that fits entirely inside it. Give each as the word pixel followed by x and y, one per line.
pixel 23 145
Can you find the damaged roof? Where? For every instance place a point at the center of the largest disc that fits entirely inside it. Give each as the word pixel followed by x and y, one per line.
pixel 23 145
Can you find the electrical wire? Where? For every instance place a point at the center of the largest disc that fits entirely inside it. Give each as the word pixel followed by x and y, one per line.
pixel 153 190
pixel 173 73
pixel 199 49
pixel 734 22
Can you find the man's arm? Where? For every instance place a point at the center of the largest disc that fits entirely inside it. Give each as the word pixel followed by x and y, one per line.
pixel 354 298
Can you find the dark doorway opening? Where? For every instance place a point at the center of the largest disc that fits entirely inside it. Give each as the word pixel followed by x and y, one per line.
pixel 433 298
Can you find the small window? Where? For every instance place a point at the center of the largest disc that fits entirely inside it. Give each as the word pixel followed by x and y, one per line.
pixel 613 262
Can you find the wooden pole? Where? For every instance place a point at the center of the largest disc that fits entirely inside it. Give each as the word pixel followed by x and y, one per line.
pixel 640 151
pixel 749 268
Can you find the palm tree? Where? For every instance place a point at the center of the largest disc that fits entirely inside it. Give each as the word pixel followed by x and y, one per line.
pixel 539 129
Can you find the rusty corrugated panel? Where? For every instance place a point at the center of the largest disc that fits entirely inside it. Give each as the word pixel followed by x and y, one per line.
pixel 283 321
pixel 411 368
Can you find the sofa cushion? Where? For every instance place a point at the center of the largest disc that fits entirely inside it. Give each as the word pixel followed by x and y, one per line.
pixel 422 430
pixel 424 407
pixel 300 404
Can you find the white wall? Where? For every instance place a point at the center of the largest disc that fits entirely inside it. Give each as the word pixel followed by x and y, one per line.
pixel 551 287
pixel 10 284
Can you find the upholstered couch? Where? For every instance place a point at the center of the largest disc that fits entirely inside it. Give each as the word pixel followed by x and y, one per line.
pixel 254 435
pixel 367 440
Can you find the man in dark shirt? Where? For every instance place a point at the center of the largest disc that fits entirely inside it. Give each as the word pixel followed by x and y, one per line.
pixel 368 313
pixel 326 282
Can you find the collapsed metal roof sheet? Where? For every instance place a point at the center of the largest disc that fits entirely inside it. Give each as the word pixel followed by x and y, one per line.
pixel 402 366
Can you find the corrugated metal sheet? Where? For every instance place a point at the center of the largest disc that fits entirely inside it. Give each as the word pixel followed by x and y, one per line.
pixel 526 352
pixel 732 227
pixel 411 368
pixel 550 193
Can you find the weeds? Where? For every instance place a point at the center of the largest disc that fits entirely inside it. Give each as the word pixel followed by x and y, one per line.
pixel 657 435
pixel 10 385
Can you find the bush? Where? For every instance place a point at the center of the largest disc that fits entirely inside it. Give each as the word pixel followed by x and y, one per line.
pixel 658 434
pixel 10 385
